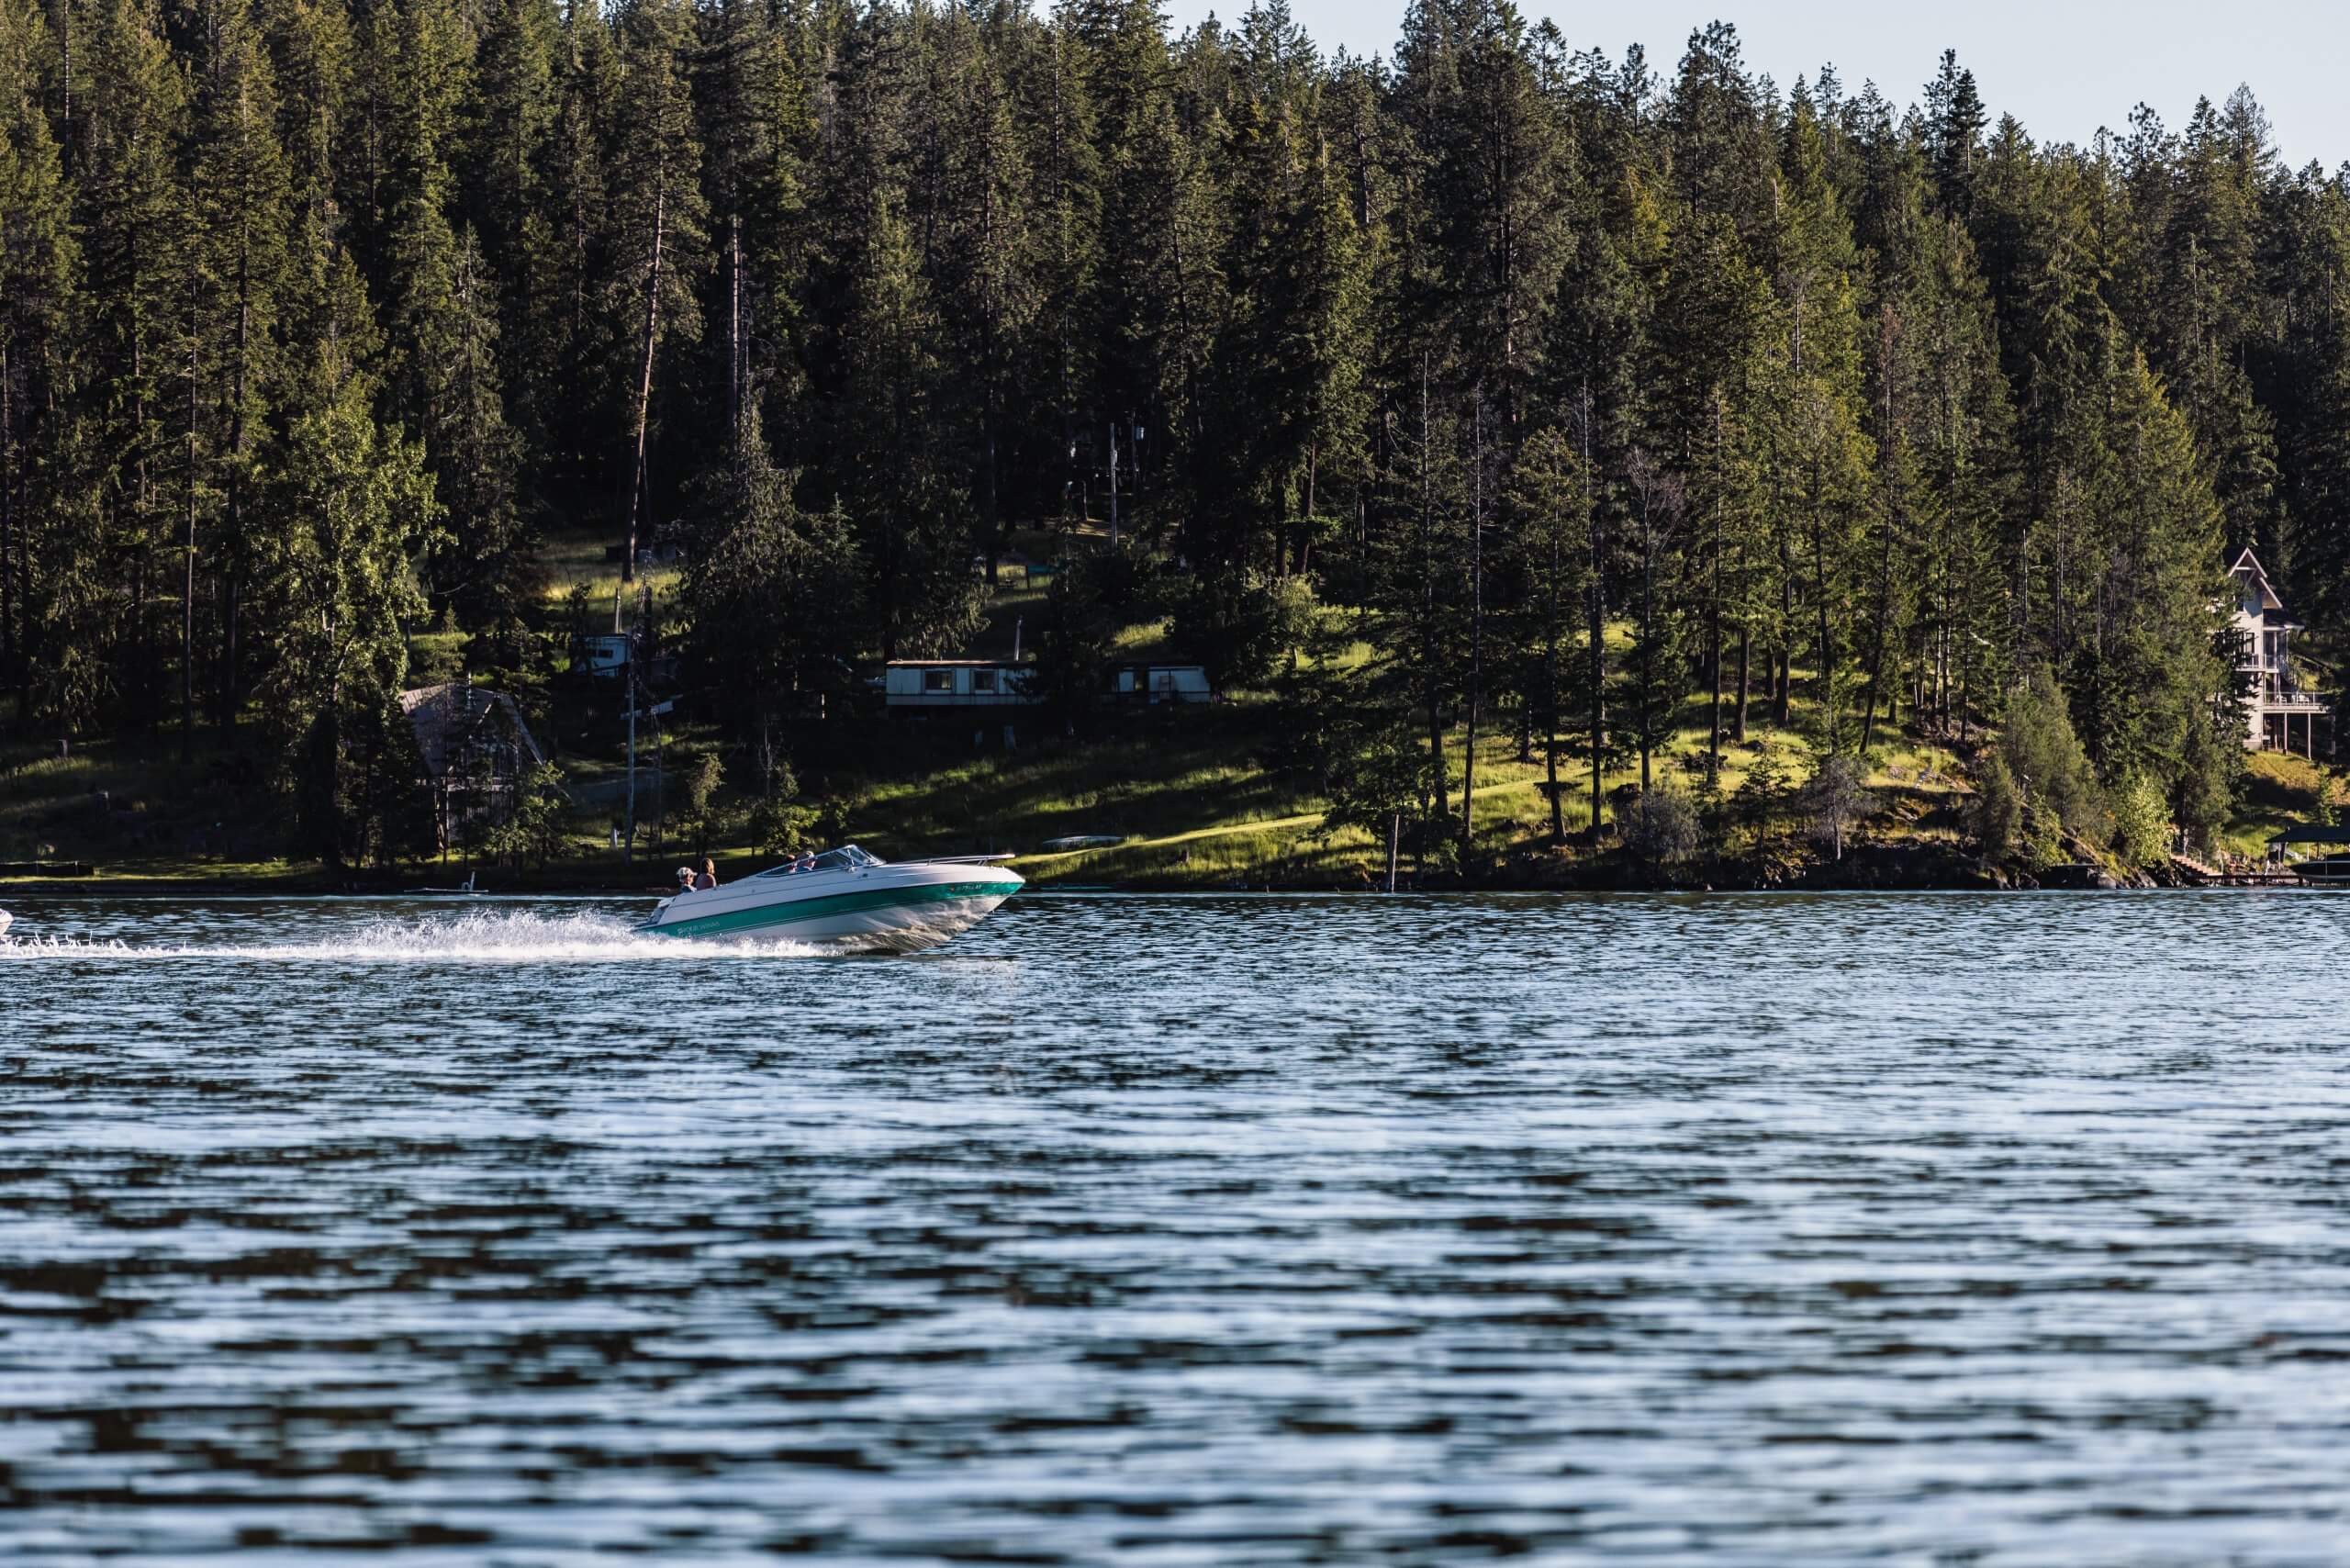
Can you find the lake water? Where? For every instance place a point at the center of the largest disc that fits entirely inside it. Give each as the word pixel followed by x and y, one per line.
pixel 1915 1229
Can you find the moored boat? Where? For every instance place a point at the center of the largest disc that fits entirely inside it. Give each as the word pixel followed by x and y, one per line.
pixel 844 898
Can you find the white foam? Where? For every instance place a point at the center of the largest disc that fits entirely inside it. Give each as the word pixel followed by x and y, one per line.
pixel 477 936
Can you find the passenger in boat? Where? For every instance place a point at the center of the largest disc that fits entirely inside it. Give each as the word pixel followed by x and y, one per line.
pixel 709 877
pixel 685 879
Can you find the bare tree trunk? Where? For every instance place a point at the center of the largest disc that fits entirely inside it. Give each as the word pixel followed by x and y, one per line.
pixel 735 333
pixel 187 564
pixel 1428 607
pixel 1648 644
pixel 1827 647
pixel 8 660
pixel 1885 563
pixel 1597 619
pixel 1476 632
pixel 231 592
pixel 1783 685
pixel 644 381
pixel 144 509
pixel 65 84
pixel 1713 613
pixel 1745 650
pixel 1551 714
pixel 1884 612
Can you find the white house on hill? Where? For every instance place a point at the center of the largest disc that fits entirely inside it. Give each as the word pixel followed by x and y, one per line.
pixel 2282 710
pixel 913 686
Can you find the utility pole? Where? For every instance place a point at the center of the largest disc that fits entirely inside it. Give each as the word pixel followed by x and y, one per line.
pixel 628 841
pixel 1113 484
pixel 645 383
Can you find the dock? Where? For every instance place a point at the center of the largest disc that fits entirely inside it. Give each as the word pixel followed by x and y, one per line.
pixel 2237 873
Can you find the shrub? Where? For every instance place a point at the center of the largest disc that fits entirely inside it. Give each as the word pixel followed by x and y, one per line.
pixel 2141 826
pixel 533 833
pixel 1238 627
pixel 699 816
pixel 1836 801
pixel 2210 770
pixel 1762 795
pixel 1997 815
pixel 2045 758
pixel 2043 841
pixel 1660 824
pixel 1076 636
pixel 779 824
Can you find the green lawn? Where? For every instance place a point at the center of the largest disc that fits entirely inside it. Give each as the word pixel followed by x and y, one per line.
pixel 129 806
pixel 2280 791
pixel 574 557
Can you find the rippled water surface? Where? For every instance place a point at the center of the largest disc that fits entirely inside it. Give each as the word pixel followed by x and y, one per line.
pixel 1911 1228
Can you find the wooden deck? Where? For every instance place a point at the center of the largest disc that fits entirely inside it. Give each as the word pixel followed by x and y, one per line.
pixel 2239 874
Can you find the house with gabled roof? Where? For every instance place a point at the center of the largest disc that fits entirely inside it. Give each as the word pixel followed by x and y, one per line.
pixel 2282 706
pixel 477 749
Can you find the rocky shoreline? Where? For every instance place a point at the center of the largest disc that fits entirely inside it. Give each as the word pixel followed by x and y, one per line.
pixel 1864 868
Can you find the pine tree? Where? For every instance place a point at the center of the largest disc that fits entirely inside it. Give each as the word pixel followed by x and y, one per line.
pixel 984 259
pixel 1055 118
pixel 757 130
pixel 897 481
pixel 658 223
pixel 133 215
pixel 1290 347
pixel 242 206
pixel 1551 497
pixel 1954 119
pixel 780 591
pixel 350 504
pixel 46 550
pixel 564 353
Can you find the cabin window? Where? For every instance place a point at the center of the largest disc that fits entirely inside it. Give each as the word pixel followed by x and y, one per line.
pixel 938 680
pixel 983 680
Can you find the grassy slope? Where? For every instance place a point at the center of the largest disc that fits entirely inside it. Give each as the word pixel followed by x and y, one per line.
pixel 2280 791
pixel 159 817
pixel 1184 789
pixel 1196 809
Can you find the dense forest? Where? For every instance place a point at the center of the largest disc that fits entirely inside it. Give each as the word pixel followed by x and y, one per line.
pixel 1581 389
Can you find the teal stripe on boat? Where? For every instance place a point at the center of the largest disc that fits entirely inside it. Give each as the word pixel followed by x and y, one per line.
pixel 824 908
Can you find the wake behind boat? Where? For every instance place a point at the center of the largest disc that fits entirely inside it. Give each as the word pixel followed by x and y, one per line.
pixel 848 898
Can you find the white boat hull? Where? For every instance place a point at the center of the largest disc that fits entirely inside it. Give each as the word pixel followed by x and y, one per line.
pixel 886 909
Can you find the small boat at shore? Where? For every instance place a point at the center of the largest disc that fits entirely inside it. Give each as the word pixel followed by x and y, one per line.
pixel 849 899
pixel 466 890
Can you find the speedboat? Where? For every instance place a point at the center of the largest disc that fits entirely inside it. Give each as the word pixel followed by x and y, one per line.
pixel 847 899
pixel 5 921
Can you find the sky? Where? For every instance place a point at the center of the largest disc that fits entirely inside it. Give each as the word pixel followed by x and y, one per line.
pixel 2063 68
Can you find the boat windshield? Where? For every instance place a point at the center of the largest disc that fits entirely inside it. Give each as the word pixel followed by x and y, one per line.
pixel 848 858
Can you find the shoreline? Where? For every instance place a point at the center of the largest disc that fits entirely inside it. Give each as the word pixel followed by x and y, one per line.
pixel 2076 879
